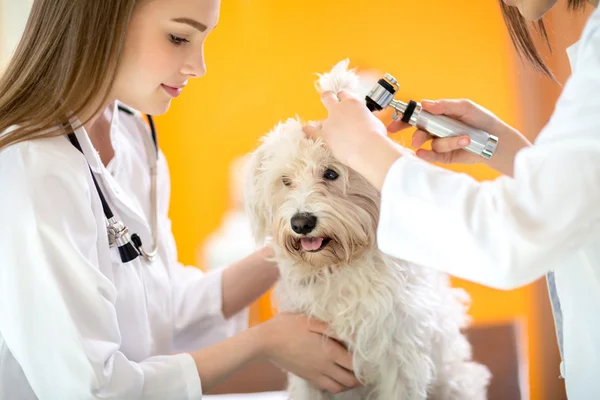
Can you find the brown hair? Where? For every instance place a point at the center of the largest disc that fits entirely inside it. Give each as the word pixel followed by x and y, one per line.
pixel 64 65
pixel 521 37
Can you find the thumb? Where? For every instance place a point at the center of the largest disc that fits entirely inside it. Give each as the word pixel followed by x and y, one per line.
pixel 312 131
pixel 453 108
pixel 397 125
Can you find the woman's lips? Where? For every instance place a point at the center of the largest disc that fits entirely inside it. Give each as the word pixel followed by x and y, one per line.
pixel 172 91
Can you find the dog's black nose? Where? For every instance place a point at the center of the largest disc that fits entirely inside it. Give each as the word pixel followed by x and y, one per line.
pixel 303 223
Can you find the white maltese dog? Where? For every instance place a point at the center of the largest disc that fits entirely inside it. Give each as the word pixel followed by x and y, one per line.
pixel 401 322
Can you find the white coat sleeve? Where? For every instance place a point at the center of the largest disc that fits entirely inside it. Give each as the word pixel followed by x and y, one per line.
pixel 507 232
pixel 57 309
pixel 197 296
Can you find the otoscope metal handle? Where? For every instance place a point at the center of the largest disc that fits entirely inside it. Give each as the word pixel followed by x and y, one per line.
pixel 382 95
pixel 482 143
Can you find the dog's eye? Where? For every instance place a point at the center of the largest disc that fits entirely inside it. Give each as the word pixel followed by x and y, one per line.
pixel 286 181
pixel 330 175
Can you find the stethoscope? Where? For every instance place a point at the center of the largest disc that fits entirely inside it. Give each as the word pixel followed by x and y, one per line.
pixel 130 246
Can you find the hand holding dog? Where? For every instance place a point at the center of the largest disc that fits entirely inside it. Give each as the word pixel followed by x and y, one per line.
pixel 298 345
pixel 348 126
pixel 356 137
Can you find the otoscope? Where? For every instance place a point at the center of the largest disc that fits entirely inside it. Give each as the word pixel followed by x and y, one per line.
pixel 382 96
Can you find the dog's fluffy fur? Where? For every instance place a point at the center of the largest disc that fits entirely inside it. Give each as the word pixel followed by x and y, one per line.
pixel 401 321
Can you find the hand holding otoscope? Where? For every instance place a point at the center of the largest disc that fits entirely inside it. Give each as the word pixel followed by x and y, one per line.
pixel 382 96
pixel 359 139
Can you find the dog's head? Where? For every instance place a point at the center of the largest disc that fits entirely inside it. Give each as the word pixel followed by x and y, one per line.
pixel 317 211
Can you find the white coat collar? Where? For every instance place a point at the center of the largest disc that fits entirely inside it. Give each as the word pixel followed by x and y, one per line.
pixel 573 52
pixel 112 190
pixel 90 153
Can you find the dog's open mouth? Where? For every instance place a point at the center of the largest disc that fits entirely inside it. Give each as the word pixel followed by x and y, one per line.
pixel 313 244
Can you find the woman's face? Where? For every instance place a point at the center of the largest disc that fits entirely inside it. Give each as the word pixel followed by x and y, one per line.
pixel 532 10
pixel 164 48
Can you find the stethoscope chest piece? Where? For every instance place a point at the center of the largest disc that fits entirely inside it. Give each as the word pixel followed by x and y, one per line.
pixel 118 235
pixel 117 232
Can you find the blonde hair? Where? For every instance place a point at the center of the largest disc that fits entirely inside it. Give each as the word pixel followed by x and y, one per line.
pixel 64 65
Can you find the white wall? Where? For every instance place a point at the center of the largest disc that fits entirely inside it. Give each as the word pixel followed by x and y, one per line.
pixel 13 16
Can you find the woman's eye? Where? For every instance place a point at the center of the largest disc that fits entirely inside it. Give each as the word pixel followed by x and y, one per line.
pixel 330 175
pixel 178 41
pixel 286 181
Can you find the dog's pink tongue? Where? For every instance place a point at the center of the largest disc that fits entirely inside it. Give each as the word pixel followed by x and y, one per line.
pixel 311 244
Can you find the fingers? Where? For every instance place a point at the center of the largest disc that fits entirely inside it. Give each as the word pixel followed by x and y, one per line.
pixel 433 157
pixel 334 345
pixel 397 125
pixel 341 356
pixel 440 145
pixel 419 138
pixel 317 326
pixel 329 99
pixel 434 107
pixel 344 95
pixel 445 150
pixel 311 131
pixel 329 385
pixel 343 377
pixel 338 377
pixel 453 108
pixel 322 328
pixel 446 145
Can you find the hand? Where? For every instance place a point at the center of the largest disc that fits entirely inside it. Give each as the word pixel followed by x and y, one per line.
pixel 298 345
pixel 348 126
pixel 451 150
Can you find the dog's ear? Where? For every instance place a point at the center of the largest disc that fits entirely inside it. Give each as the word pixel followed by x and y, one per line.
pixel 339 78
pixel 255 196
pixel 342 77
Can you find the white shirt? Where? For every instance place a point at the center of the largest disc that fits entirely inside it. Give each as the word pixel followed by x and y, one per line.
pixel 511 231
pixel 75 322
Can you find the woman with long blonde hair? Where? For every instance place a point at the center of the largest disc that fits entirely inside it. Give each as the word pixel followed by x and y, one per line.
pixel 85 313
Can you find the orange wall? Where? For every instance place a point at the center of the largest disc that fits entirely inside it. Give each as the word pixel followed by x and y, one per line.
pixel 261 64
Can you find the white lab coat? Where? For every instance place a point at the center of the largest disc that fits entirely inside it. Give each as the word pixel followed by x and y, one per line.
pixel 511 231
pixel 75 322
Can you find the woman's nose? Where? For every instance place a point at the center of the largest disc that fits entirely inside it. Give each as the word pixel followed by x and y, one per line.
pixel 196 66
